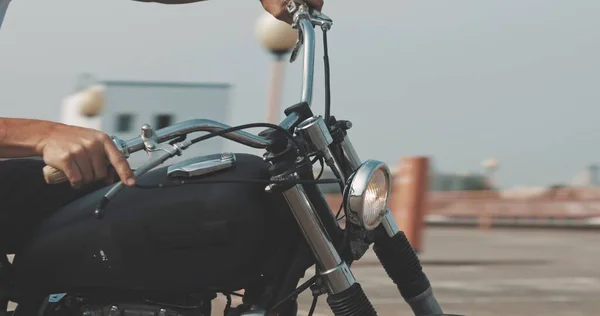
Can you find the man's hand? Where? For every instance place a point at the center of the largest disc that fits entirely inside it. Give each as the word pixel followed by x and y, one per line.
pixel 82 154
pixel 278 8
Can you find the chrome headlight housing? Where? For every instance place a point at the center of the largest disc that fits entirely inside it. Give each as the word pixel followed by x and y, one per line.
pixel 368 194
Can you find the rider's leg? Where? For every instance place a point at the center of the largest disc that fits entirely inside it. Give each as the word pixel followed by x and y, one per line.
pixel 26 199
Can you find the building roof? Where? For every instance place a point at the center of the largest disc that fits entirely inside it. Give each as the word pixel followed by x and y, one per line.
pixel 171 84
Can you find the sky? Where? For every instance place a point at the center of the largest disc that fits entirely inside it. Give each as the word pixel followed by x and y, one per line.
pixel 460 81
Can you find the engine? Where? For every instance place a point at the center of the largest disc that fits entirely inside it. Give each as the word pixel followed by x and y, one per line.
pixel 134 310
pixel 69 305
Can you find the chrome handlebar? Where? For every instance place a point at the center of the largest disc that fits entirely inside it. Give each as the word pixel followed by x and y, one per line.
pixel 197 125
pixel 305 19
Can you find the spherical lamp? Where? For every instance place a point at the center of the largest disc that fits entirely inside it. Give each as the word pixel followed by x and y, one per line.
pixel 490 164
pixel 91 101
pixel 276 36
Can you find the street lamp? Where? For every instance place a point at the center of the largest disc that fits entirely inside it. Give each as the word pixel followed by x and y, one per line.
pixel 490 165
pixel 84 108
pixel 278 38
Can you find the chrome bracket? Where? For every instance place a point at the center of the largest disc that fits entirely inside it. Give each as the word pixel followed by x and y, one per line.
pixel 153 148
pixel 121 146
pixel 203 165
pixel 255 311
pixel 338 278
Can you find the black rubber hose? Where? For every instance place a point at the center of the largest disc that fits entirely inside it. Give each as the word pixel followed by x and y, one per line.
pixel 351 302
pixel 402 265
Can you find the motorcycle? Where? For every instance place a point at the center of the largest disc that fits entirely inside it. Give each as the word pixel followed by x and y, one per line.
pixel 224 223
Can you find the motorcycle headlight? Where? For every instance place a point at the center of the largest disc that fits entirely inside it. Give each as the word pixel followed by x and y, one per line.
pixel 368 194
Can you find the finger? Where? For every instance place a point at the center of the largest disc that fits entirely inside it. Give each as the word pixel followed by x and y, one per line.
pixel 110 175
pixel 286 17
pixel 84 162
pixel 278 10
pixel 99 163
pixel 118 161
pixel 316 4
pixel 72 172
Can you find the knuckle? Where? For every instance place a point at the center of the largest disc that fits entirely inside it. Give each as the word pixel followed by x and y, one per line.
pixel 102 137
pixel 65 157
pixel 74 178
pixel 77 150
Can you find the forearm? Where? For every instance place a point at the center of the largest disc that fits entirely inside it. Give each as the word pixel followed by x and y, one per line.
pixel 171 1
pixel 21 137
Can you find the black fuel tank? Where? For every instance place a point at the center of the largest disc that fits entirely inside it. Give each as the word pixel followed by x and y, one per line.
pixel 194 237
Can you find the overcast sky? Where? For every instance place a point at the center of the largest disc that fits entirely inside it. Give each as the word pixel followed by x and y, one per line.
pixel 459 80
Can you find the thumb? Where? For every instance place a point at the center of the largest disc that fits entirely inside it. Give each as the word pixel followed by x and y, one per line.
pixel 315 4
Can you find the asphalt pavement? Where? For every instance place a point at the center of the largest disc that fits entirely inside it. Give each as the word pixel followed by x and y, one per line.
pixel 492 273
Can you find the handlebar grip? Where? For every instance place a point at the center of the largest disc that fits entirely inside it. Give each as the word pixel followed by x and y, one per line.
pixel 53 175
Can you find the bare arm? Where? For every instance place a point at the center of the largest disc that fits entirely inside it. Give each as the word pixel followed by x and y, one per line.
pixel 171 1
pixel 277 8
pixel 81 153
pixel 20 137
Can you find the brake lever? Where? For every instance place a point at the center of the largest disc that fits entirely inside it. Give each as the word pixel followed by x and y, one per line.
pixel 299 43
pixel 299 9
pixel 158 154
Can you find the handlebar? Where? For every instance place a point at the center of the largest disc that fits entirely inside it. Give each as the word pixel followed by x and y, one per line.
pixel 197 125
pixel 305 19
pixel 54 176
pixel 308 33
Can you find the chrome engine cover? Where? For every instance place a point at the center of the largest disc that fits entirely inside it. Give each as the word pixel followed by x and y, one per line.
pixel 135 310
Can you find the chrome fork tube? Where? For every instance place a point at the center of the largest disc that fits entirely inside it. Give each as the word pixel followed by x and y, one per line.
pixel 350 155
pixel 335 271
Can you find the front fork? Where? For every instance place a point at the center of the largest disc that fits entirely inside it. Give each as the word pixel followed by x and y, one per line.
pixel 346 297
pixel 395 252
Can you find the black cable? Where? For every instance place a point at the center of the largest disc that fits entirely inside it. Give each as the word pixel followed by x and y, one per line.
pixel 296 292
pixel 313 306
pixel 315 159
pixel 253 125
pixel 315 292
pixel 178 183
pixel 327 78
pixel 345 192
pixel 322 168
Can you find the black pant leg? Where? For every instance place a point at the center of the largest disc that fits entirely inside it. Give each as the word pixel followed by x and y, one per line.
pixel 26 199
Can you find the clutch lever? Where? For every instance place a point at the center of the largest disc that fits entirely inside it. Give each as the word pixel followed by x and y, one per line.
pixel 300 10
pixel 158 154
pixel 297 46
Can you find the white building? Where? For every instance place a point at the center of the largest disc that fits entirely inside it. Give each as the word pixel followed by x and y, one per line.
pixel 120 108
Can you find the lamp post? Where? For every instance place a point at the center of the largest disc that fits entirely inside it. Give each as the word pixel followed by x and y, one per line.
pixel 84 108
pixel 490 165
pixel 278 38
